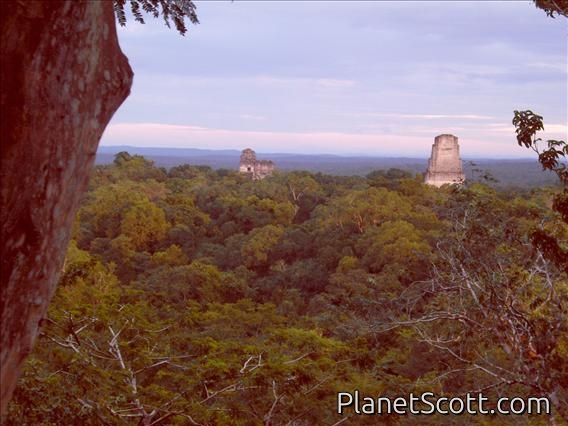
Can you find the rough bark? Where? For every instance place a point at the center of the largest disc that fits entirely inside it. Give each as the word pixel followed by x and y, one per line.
pixel 63 76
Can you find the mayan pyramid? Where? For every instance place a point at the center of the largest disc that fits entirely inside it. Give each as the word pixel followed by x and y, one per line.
pixel 445 165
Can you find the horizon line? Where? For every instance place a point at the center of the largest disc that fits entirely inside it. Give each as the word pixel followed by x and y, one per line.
pixel 353 155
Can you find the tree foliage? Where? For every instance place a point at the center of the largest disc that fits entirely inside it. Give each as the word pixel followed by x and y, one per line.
pixel 552 7
pixel 548 237
pixel 176 11
pixel 195 296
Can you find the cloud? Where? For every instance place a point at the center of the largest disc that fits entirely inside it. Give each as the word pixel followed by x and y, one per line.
pixel 551 131
pixel 167 135
pixel 366 77
pixel 331 82
pixel 444 116
pixel 424 116
pixel 277 81
pixel 252 117
pixel 552 65
pixel 557 128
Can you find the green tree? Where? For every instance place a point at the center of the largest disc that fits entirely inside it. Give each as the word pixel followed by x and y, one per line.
pixel 135 167
pixel 493 307
pixel 145 224
pixel 396 247
pixel 257 246
pixel 550 241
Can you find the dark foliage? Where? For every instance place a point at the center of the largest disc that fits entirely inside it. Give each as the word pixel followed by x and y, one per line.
pixel 176 11
pixel 527 125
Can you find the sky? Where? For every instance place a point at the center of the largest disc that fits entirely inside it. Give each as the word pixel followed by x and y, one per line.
pixel 347 78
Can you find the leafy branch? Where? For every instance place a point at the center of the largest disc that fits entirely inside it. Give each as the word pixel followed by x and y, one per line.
pixel 527 125
pixel 176 11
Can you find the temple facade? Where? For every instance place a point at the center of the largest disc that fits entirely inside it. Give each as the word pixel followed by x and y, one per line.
pixel 445 165
pixel 257 169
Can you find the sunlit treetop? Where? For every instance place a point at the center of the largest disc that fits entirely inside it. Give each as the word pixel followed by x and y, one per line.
pixel 175 11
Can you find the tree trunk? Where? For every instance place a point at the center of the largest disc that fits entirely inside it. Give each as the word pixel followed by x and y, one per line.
pixel 63 77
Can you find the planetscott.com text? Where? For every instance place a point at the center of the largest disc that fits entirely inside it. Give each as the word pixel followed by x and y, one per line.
pixel 428 403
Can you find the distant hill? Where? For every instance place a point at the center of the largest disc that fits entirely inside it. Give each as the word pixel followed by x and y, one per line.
pixel 518 173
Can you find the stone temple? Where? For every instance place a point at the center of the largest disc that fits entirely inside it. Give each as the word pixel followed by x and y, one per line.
pixel 445 165
pixel 256 169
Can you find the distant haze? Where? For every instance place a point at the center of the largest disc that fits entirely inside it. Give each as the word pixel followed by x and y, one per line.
pixel 349 78
pixel 519 172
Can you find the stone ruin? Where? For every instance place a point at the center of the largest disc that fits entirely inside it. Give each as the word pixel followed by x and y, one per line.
pixel 445 165
pixel 256 169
